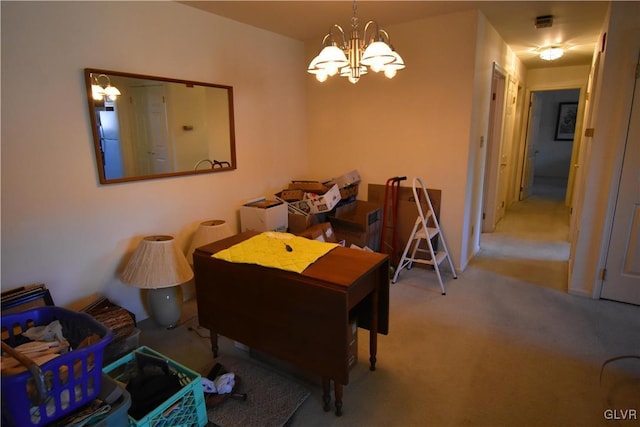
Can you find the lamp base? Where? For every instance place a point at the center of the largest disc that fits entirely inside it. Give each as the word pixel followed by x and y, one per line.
pixel 165 305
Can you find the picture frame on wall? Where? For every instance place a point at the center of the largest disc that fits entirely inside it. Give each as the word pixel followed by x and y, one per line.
pixel 566 123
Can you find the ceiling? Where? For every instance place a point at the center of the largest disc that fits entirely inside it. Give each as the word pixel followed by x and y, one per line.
pixel 576 24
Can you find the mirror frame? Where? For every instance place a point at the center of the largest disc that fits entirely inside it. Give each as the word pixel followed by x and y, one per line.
pixel 96 138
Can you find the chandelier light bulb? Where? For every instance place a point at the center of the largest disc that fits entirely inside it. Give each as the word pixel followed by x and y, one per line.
pixel 321 76
pixel 391 69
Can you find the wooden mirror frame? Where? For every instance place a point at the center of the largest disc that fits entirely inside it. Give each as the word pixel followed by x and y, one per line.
pixel 178 127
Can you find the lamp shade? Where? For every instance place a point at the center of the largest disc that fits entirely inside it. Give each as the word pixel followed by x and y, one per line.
pixel 157 263
pixel 377 55
pixel 207 232
pixel 331 59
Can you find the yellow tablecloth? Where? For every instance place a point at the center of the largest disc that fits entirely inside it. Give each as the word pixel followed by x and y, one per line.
pixel 269 249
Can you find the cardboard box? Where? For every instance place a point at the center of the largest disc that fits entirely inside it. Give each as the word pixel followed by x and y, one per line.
pixel 291 195
pixel 347 183
pixel 322 232
pixel 298 220
pixel 358 223
pixel 309 187
pixel 264 215
pixel 348 179
pixel 320 203
pixel 298 223
pixel 349 191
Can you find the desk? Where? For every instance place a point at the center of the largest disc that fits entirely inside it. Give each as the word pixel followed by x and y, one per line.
pixel 302 319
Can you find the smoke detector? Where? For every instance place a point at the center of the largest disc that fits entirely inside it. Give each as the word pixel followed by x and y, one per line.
pixel 544 21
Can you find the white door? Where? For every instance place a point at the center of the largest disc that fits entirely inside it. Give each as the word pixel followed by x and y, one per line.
pixel 152 136
pixel 622 279
pixel 530 148
pixel 158 132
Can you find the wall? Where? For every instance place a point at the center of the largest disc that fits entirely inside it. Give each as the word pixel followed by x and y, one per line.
pixel 59 225
pixel 490 49
pixel 420 123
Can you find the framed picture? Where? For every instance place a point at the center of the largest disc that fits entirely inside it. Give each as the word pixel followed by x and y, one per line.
pixel 566 124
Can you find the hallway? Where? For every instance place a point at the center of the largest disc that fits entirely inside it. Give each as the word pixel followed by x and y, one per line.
pixel 531 242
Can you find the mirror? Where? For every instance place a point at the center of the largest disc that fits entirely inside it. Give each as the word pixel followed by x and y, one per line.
pixel 147 127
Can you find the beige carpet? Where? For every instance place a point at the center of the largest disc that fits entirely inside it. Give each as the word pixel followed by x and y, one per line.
pixel 530 244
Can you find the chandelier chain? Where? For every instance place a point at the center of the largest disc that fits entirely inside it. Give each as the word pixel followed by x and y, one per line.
pixel 354 18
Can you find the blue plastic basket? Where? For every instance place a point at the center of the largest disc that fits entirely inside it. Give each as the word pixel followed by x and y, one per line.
pixel 71 379
pixel 186 408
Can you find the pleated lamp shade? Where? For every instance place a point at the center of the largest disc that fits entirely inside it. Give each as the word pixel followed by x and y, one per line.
pixel 208 232
pixel 157 263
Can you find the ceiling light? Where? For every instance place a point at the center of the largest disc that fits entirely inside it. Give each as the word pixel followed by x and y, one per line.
pixel 367 49
pixel 551 53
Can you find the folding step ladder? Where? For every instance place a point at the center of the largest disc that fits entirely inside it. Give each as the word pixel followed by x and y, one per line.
pixel 425 232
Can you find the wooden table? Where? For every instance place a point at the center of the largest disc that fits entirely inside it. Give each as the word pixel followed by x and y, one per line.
pixel 302 319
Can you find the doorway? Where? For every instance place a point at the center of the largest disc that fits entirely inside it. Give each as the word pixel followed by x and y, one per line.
pixel 494 200
pixel 549 145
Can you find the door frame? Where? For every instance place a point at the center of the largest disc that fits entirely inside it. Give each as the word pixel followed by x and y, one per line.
pixel 575 151
pixel 495 133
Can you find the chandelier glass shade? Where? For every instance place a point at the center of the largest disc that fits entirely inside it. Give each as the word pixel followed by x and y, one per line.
pixel 369 49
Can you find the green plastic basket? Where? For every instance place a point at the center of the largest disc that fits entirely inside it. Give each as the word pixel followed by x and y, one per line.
pixel 185 408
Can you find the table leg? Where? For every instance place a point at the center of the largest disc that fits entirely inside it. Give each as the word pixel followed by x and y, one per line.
pixel 373 332
pixel 214 343
pixel 338 392
pixel 326 396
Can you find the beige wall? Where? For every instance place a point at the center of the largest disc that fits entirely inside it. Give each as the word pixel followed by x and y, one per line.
pixel 490 50
pixel 416 124
pixel 557 78
pixel 426 122
pixel 59 225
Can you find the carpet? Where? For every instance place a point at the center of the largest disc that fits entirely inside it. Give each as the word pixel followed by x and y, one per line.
pixel 272 398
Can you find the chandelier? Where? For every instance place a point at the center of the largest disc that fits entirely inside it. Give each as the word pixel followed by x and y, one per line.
pixel 369 49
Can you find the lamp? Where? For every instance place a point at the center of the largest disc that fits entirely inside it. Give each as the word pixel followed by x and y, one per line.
pixel 207 232
pixel 158 266
pixel 551 53
pixel 100 90
pixel 367 49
